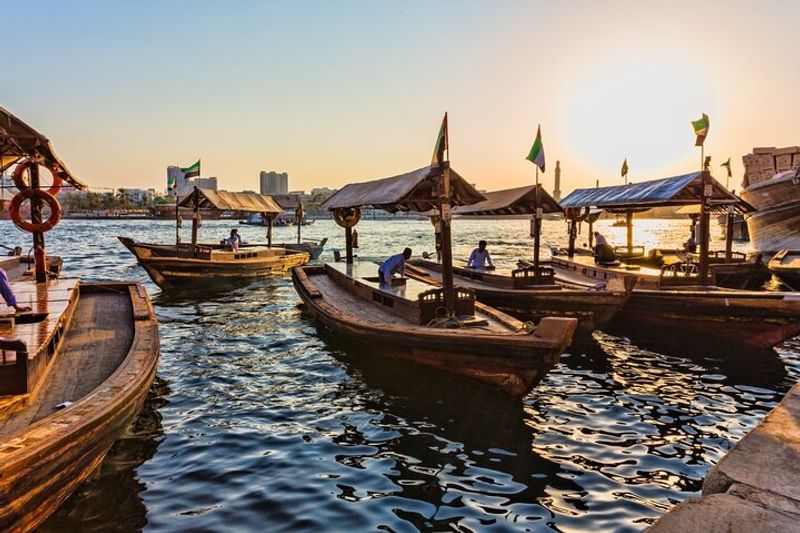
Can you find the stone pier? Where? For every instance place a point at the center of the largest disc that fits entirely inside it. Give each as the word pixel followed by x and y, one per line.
pixel 755 487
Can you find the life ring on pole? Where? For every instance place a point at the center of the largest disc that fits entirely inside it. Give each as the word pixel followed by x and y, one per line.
pixel 22 185
pixel 49 199
pixel 347 217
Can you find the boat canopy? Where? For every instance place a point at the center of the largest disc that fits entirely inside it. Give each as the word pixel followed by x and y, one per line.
pixel 414 191
pixel 20 141
pixel 516 201
pixel 675 191
pixel 248 202
pixel 287 201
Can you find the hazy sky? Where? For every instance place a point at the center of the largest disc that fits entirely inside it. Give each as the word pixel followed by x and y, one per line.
pixel 336 91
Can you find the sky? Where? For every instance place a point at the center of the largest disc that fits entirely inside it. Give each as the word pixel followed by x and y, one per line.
pixel 339 91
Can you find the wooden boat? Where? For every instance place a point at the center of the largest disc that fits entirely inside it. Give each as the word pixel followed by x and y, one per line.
pixel 312 247
pixel 441 327
pixel 75 369
pixel 180 265
pixel 488 345
pixel 679 299
pixel 517 293
pixel 529 292
pixel 70 383
pixel 786 265
pixel 171 266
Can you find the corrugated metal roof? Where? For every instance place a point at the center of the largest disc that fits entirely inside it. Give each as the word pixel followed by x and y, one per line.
pixel 517 201
pixel 413 191
pixel 674 191
pixel 18 141
pixel 248 202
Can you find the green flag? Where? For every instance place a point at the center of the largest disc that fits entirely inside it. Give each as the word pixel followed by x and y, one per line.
pixel 441 144
pixel 727 165
pixel 192 171
pixel 536 155
pixel 701 129
pixel 624 170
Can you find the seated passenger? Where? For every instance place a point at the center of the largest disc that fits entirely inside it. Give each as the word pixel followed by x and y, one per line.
pixel 603 252
pixel 479 257
pixel 395 264
pixel 8 294
pixel 234 241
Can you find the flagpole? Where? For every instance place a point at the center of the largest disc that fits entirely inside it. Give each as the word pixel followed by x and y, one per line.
pixel 537 224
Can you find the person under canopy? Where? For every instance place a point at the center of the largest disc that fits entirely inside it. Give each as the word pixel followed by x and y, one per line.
pixel 396 264
pixel 479 257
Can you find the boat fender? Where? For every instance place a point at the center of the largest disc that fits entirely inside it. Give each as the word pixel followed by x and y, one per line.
pixel 47 225
pixel 22 185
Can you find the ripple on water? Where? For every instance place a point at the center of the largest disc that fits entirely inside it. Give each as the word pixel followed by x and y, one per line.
pixel 261 422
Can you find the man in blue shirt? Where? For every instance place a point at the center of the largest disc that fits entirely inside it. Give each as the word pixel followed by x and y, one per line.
pixel 395 264
pixel 479 257
pixel 8 294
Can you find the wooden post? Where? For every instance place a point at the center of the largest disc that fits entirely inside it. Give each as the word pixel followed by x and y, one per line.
pixel 629 228
pixel 348 244
pixel 177 222
pixel 299 214
pixel 573 231
pixel 40 258
pixel 729 234
pixel 703 229
pixel 537 227
pixel 270 218
pixel 195 214
pixel 447 243
pixel 591 233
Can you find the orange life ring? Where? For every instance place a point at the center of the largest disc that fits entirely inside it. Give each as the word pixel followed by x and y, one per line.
pixel 19 181
pixel 347 217
pixel 55 211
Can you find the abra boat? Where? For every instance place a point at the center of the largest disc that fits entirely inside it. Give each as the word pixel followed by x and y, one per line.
pixel 530 292
pixel 75 369
pixel 180 265
pixel 786 265
pixel 680 298
pixel 440 327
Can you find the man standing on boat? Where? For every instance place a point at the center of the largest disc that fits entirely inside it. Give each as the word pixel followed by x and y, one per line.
pixel 395 264
pixel 479 257
pixel 8 294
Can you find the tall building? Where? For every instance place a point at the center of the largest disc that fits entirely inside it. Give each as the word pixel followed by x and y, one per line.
pixel 274 182
pixel 557 189
pixel 174 173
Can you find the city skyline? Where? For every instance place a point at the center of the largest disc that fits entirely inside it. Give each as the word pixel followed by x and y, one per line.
pixel 334 92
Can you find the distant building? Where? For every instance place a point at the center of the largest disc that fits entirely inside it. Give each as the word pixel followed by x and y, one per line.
pixel 203 183
pixel 274 182
pixel 141 196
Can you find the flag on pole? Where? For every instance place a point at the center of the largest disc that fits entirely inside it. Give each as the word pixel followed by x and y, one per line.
pixel 624 171
pixel 441 144
pixel 192 171
pixel 536 155
pixel 727 165
pixel 700 129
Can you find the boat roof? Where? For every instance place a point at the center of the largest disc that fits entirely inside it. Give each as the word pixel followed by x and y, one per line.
pixel 249 202
pixel 287 201
pixel 674 191
pixel 516 201
pixel 19 141
pixel 412 191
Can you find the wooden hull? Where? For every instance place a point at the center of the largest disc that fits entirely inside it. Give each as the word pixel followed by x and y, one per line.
pixel 775 228
pixel 514 361
pixel 758 320
pixel 174 272
pixel 593 309
pixel 786 265
pixel 42 464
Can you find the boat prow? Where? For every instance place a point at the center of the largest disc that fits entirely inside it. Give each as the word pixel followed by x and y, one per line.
pixel 70 385
pixel 485 344
pixel 786 265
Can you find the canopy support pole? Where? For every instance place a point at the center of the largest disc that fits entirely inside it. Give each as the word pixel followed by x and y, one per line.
pixel 195 215
pixel 348 244
pixel 703 229
pixel 629 229
pixel 177 221
pixel 573 229
pixel 39 256
pixel 537 228
pixel 270 218
pixel 729 235
pixel 447 243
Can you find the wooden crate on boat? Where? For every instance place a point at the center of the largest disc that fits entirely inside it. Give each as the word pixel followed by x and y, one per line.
pixel 783 162
pixel 789 150
pixel 766 163
pixel 796 161
pixel 764 150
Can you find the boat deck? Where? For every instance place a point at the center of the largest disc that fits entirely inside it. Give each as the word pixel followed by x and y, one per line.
pixel 93 349
pixel 481 278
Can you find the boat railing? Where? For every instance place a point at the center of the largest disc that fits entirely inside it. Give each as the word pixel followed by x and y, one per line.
pixel 624 251
pixel 431 303
pixel 530 275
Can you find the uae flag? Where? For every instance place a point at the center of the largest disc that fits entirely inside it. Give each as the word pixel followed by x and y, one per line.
pixel 172 182
pixel 441 144
pixel 624 170
pixel 700 129
pixel 192 171
pixel 727 165
pixel 536 155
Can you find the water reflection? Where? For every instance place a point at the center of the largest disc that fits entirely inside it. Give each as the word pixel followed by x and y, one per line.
pixel 110 498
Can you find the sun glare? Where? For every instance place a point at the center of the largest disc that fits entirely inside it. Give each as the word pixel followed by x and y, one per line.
pixel 636 105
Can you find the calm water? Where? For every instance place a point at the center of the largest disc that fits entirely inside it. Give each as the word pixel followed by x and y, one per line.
pixel 259 422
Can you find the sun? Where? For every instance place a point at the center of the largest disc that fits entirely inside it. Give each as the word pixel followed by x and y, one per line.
pixel 636 104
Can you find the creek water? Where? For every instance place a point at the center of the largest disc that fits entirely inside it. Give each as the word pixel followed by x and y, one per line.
pixel 260 421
